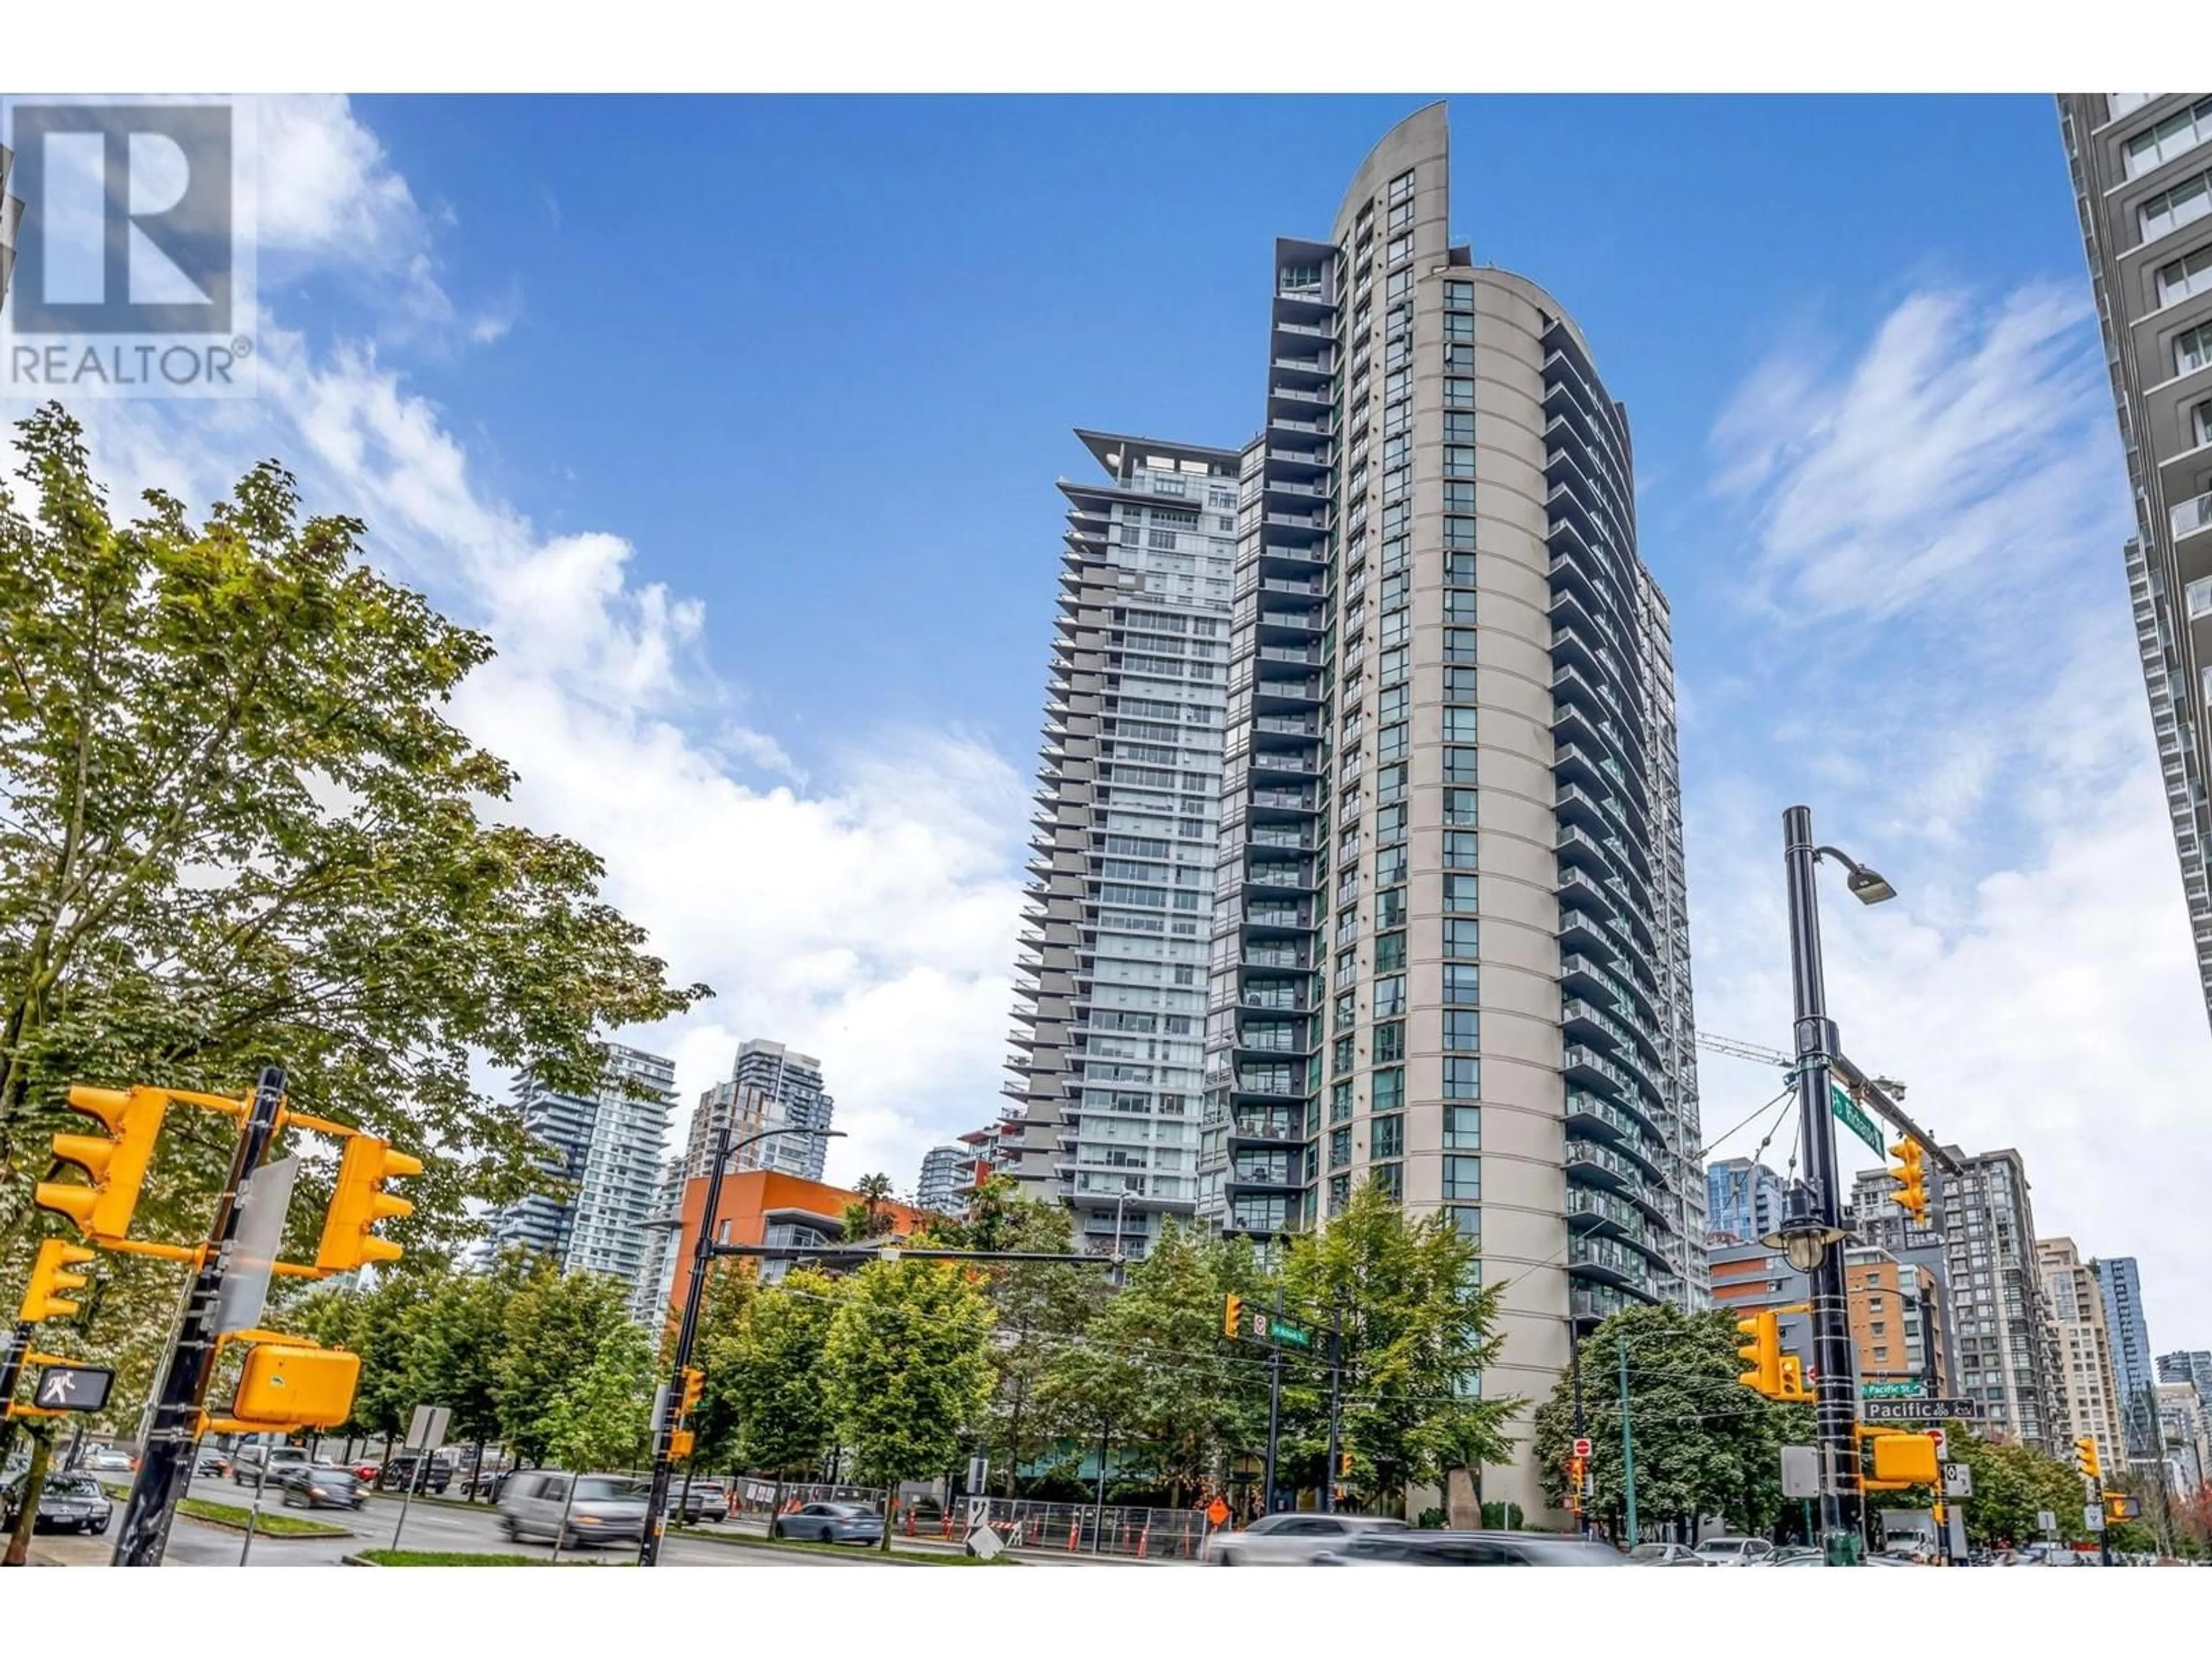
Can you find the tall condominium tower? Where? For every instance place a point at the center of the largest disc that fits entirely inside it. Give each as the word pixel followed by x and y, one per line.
pixel 1743 1201
pixel 1108 1053
pixel 946 1173
pixel 2088 1381
pixel 2121 1282
pixel 770 1086
pixel 2141 163
pixel 609 1145
pixel 1451 953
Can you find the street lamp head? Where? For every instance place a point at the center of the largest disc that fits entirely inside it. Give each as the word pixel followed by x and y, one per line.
pixel 1867 886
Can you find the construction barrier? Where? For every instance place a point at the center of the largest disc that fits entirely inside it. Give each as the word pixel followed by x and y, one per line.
pixel 1134 1533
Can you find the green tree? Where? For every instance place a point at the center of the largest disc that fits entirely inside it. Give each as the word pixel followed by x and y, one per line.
pixel 2011 1484
pixel 1151 1377
pixel 1041 1307
pixel 774 1377
pixel 454 1358
pixel 382 1323
pixel 553 1328
pixel 601 1418
pixel 729 1292
pixel 871 1218
pixel 1705 1444
pixel 909 1366
pixel 240 826
pixel 1419 1327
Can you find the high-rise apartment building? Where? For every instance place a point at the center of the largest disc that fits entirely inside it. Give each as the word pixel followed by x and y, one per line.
pixel 656 1277
pixel 11 215
pixel 770 1086
pixel 2089 1384
pixel 1108 1053
pixel 2120 1280
pixel 2184 1438
pixel 947 1172
pixel 2142 165
pixel 1451 953
pixel 1743 1201
pixel 2007 1346
pixel 2192 1366
pixel 1899 1333
pixel 608 1147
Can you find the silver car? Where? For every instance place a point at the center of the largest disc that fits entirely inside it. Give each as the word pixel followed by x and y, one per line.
pixel 1291 1539
pixel 605 1509
pixel 1666 1555
pixel 1734 1551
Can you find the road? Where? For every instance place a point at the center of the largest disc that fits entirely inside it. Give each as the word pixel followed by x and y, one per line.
pixel 433 1526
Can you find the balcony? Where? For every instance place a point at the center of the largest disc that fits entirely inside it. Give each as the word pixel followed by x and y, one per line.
pixel 2191 516
pixel 1627 1131
pixel 1610 1263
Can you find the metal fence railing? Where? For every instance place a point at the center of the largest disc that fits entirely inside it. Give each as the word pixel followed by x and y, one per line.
pixel 1136 1534
pixel 753 1498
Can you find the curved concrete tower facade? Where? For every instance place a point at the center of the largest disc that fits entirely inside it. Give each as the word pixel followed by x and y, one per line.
pixel 1450 951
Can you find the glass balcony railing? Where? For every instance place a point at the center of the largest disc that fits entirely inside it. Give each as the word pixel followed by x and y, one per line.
pixel 2191 516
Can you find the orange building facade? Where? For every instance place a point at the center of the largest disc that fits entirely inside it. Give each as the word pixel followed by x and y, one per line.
pixel 766 1206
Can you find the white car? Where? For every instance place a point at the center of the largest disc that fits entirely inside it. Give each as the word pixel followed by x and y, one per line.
pixel 106 1460
pixel 1291 1539
pixel 1734 1551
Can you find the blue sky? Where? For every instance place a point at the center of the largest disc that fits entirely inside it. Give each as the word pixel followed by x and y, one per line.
pixel 737 422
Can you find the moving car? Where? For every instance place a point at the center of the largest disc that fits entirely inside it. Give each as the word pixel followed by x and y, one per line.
pixel 211 1460
pixel 246 1463
pixel 323 1486
pixel 69 1503
pixel 1292 1538
pixel 1786 1555
pixel 1405 1547
pixel 1735 1551
pixel 605 1509
pixel 1666 1555
pixel 831 1523
pixel 107 1460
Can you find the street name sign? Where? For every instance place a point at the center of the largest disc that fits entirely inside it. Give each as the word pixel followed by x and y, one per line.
pixel 73 1388
pixel 1849 1115
pixel 1891 1390
pixel 1918 1411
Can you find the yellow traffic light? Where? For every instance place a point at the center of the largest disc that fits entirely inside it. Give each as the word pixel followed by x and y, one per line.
pixel 695 1382
pixel 48 1295
pixel 2085 1457
pixel 1905 1459
pixel 1232 1314
pixel 1910 1176
pixel 1344 1466
pixel 360 1203
pixel 680 1442
pixel 1761 1353
pixel 1793 1390
pixel 287 1386
pixel 116 1161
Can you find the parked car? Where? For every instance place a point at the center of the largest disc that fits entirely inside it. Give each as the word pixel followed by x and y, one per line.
pixel 400 1473
pixel 1666 1555
pixel 606 1508
pixel 1734 1551
pixel 704 1500
pixel 1405 1547
pixel 487 1484
pixel 69 1503
pixel 364 1471
pixel 246 1463
pixel 1291 1539
pixel 1785 1555
pixel 323 1486
pixel 107 1460
pixel 831 1523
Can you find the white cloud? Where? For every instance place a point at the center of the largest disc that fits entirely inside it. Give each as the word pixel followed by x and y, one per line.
pixel 1949 511
pixel 869 918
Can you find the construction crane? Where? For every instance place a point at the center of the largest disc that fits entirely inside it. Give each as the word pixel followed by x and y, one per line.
pixel 1881 1093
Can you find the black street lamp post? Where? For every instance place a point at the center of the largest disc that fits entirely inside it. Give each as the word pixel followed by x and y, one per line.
pixel 1815 1228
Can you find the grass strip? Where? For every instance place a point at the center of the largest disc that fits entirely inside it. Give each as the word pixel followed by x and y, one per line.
pixel 468 1558
pixel 861 1552
pixel 269 1526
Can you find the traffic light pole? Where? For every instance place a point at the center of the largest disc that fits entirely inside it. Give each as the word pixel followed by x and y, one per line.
pixel 664 1426
pixel 164 1462
pixel 1817 1044
pixel 1335 1404
pixel 11 1372
pixel 1274 1413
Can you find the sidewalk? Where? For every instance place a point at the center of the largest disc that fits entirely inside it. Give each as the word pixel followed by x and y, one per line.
pixel 69 1550
pixel 750 1529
